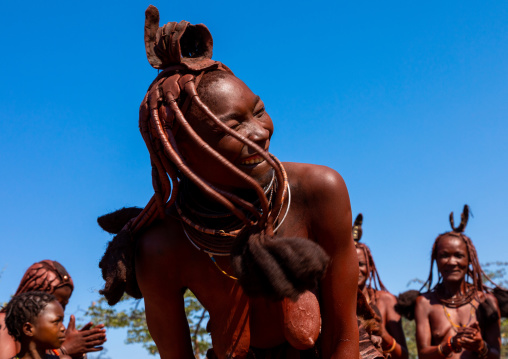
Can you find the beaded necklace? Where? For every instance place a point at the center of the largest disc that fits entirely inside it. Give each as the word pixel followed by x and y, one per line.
pixel 231 229
pixel 220 241
pixel 455 326
pixel 459 301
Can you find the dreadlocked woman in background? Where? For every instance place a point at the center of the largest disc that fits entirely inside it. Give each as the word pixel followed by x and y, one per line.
pixel 382 301
pixel 51 277
pixel 249 236
pixel 458 318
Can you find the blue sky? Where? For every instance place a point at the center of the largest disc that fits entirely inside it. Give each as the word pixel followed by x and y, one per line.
pixel 407 100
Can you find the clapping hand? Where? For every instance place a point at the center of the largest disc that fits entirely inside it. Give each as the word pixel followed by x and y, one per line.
pixel 470 338
pixel 79 342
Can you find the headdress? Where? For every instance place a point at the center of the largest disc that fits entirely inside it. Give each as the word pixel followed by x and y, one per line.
pixel 357 228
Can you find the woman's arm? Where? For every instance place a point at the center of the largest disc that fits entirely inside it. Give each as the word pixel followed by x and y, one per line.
pixel 331 227
pixel 157 274
pixel 394 340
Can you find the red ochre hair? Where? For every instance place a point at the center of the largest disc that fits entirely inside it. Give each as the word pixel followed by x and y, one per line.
pixel 373 280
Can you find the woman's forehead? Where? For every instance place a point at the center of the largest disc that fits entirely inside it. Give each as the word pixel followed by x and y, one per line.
pixel 226 92
pixel 451 242
pixel 63 292
pixel 361 254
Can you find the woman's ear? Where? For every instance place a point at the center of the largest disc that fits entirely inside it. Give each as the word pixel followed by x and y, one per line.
pixel 28 329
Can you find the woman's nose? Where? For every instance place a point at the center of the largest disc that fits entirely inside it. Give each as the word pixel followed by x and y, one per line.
pixel 257 132
pixel 452 261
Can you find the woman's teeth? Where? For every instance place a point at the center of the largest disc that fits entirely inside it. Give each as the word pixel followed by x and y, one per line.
pixel 252 161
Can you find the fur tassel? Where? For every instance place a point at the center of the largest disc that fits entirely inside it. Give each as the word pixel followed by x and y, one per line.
pixel 274 267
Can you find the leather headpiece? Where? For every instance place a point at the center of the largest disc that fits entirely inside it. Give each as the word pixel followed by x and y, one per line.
pixel 357 228
pixel 177 43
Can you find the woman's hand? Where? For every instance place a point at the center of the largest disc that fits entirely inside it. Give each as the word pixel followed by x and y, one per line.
pixel 79 342
pixel 470 338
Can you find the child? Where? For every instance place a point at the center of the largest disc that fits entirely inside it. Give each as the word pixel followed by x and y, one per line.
pixel 35 319
pixel 51 277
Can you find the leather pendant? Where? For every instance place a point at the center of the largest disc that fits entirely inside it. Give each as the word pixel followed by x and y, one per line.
pixel 302 321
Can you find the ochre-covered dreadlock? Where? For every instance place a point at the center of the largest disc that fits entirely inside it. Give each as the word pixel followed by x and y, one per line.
pixel 46 276
pixel 183 51
pixel 373 280
pixel 474 273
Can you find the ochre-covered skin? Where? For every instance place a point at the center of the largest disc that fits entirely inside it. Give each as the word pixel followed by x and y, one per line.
pixel 236 321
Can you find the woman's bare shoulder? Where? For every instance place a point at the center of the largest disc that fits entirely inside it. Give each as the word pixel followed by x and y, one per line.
pixel 315 181
pixel 386 297
pixel 424 299
pixel 161 245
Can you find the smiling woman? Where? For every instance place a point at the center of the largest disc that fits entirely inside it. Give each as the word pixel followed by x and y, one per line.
pixel 377 296
pixel 250 236
pixel 235 105
pixel 459 318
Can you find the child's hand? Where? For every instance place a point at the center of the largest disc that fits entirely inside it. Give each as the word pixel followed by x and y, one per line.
pixel 78 342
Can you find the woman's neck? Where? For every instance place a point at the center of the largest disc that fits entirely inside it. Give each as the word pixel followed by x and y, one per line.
pixel 454 289
pixel 195 194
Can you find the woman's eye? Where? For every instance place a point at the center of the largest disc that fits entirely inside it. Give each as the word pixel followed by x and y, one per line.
pixel 233 124
pixel 259 112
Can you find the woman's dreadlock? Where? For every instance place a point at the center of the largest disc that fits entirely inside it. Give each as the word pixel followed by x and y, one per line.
pixel 183 52
pixel 474 272
pixel 46 276
pixel 373 281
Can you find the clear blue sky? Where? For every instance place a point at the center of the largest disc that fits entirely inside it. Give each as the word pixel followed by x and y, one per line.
pixel 407 100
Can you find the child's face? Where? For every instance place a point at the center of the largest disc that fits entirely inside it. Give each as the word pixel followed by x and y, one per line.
pixel 48 329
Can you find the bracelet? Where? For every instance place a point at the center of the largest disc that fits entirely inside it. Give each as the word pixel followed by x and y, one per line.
pixel 484 350
pixel 392 347
pixel 452 343
pixel 440 351
pixel 63 350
